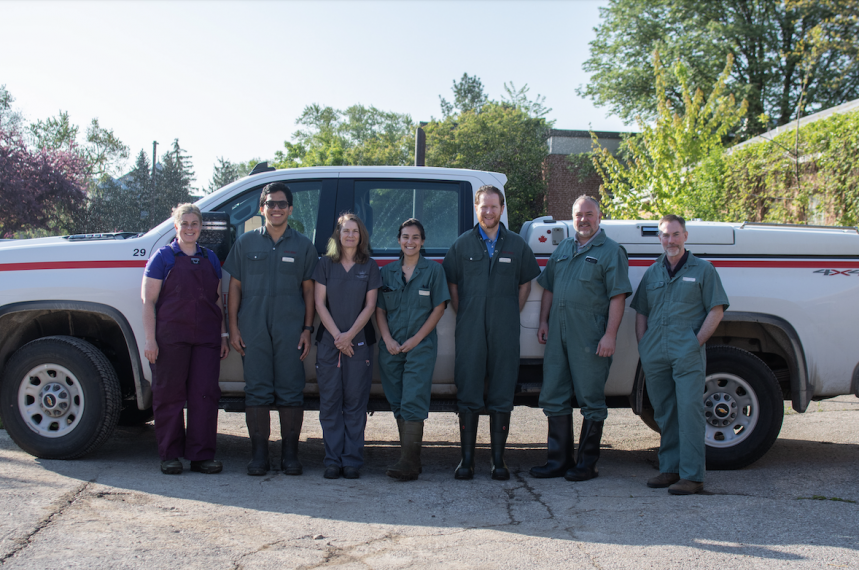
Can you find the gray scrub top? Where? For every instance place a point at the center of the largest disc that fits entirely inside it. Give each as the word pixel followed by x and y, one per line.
pixel 346 295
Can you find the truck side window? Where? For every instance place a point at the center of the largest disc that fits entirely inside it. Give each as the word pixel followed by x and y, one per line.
pixel 384 204
pixel 245 215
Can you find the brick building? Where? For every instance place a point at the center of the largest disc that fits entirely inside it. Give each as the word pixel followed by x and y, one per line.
pixel 566 182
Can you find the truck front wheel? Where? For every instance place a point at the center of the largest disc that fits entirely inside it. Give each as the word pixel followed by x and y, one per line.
pixel 60 398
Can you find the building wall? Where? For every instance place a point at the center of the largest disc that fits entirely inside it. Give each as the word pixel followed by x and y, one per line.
pixel 565 185
pixel 565 182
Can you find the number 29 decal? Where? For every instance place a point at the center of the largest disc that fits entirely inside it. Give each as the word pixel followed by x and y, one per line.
pixel 139 253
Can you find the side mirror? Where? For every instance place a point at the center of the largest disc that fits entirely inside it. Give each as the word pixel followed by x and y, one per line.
pixel 216 234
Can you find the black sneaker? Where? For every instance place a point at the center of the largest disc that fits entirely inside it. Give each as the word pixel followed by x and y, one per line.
pixel 171 467
pixel 351 473
pixel 332 472
pixel 207 466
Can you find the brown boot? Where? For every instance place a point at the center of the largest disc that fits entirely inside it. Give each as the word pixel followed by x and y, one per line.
pixel 409 465
pixel 686 487
pixel 663 480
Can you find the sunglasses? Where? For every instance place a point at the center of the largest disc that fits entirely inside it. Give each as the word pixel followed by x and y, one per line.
pixel 280 204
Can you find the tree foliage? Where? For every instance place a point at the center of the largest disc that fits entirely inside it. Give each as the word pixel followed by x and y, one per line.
pixel 670 167
pixel 39 189
pixel 794 56
pixel 224 173
pixel 507 137
pixel 815 181
pixel 356 136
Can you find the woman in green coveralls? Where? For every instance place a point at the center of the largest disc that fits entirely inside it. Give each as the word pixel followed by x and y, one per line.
pixel 414 297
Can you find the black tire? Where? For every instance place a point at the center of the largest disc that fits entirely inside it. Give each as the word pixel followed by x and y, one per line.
pixel 131 415
pixel 743 372
pixel 736 379
pixel 59 398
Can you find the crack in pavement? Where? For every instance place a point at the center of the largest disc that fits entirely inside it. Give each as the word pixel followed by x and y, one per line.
pixel 537 496
pixel 237 563
pixel 64 503
pixel 336 555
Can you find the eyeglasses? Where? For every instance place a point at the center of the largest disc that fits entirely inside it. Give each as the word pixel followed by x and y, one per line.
pixel 280 204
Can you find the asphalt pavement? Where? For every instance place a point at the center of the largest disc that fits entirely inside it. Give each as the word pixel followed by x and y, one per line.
pixel 798 507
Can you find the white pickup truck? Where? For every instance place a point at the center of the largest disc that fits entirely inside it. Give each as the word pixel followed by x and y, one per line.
pixel 71 333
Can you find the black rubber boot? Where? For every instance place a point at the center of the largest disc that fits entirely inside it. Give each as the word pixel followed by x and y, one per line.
pixel 499 427
pixel 589 452
pixel 290 431
pixel 560 448
pixel 259 429
pixel 468 439
pixel 409 466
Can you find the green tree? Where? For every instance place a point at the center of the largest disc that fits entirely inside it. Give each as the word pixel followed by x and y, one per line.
pixel 224 173
pixel 11 119
pixel 357 136
pixel 769 39
pixel 172 184
pixel 507 137
pixel 674 166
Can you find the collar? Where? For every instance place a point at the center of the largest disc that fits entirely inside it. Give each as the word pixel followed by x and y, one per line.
pixel 174 245
pixel 691 261
pixel 596 239
pixel 286 234
pixel 479 231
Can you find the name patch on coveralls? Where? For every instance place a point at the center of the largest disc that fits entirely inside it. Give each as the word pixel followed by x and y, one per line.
pixel 688 279
pixel 503 260
pixel 289 259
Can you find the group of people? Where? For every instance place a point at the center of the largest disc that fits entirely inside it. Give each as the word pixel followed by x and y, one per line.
pixel 278 284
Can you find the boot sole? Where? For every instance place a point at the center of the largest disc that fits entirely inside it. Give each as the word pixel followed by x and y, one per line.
pixel 209 471
pixel 581 477
pixel 399 476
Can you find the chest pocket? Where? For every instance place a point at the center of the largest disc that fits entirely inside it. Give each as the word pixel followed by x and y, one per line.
pixel 257 262
pixel 655 293
pixel 288 273
pixel 689 292
pixel 424 298
pixel 392 299
pixel 472 264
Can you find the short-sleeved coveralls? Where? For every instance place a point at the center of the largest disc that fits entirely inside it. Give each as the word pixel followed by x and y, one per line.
pixel 188 332
pixel 582 284
pixel 271 314
pixel 407 377
pixel 344 382
pixel 673 361
pixel 487 322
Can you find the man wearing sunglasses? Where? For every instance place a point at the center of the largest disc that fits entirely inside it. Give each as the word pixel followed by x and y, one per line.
pixel 271 315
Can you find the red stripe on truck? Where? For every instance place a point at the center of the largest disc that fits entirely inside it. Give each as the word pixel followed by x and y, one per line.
pixel 100 264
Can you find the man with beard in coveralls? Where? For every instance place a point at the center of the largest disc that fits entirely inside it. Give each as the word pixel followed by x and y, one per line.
pixel 271 310
pixel 489 271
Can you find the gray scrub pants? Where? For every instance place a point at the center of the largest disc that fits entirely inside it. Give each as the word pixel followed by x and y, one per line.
pixel 343 395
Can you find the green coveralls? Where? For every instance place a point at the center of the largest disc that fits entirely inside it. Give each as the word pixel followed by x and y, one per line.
pixel 407 378
pixel 674 363
pixel 582 284
pixel 271 314
pixel 487 322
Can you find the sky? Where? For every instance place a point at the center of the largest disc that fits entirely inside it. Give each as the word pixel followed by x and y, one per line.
pixel 229 79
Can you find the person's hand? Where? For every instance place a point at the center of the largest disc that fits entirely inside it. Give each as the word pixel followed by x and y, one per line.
pixel 225 347
pixel 342 341
pixel 150 351
pixel 606 346
pixel 348 351
pixel 409 345
pixel 236 340
pixel 543 333
pixel 304 344
pixel 392 346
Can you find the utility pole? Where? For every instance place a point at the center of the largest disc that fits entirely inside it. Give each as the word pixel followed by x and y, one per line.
pixel 152 194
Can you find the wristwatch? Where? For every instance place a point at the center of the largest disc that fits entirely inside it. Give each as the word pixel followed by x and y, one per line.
pixel 309 328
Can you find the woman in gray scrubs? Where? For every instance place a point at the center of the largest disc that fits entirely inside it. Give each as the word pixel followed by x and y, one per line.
pixel 347 283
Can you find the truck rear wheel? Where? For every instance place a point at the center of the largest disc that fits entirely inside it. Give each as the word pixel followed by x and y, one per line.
pixel 743 408
pixel 60 398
